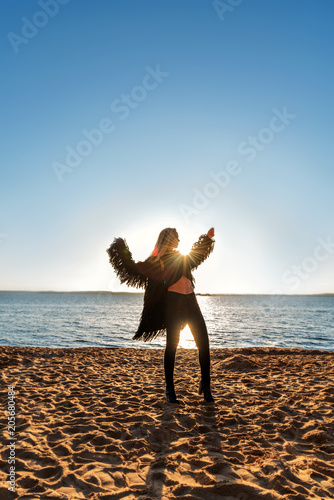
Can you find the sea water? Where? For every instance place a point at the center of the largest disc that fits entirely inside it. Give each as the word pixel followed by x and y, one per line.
pixel 110 320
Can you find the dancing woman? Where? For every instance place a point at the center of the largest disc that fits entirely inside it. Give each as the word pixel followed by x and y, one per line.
pixel 169 300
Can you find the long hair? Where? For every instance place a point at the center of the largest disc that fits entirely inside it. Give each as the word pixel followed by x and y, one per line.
pixel 165 239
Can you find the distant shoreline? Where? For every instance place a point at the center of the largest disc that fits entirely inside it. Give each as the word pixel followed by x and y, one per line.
pixel 106 292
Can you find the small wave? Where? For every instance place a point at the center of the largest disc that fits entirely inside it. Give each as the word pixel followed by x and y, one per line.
pixel 232 321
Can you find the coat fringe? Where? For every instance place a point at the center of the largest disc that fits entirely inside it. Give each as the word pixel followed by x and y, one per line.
pixel 124 266
pixel 201 250
pixel 152 320
pixel 148 336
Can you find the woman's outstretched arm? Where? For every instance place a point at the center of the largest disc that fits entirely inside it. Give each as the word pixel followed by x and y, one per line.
pixel 201 249
pixel 124 266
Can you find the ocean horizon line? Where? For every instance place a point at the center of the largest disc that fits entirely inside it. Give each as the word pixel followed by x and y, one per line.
pixel 107 292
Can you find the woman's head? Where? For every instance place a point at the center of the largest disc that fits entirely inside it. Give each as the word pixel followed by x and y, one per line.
pixel 167 240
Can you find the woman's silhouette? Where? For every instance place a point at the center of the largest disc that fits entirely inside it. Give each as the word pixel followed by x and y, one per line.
pixel 169 301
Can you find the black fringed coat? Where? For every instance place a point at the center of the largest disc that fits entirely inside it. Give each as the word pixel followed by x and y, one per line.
pixel 156 278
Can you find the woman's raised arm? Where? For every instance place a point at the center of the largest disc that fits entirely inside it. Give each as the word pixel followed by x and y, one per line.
pixel 124 266
pixel 201 249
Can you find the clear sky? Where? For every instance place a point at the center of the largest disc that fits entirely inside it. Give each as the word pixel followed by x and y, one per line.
pixel 120 118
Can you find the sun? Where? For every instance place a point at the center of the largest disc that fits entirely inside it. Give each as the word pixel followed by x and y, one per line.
pixel 186 241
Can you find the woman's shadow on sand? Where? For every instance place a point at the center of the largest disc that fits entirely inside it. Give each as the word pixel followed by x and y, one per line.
pixel 189 455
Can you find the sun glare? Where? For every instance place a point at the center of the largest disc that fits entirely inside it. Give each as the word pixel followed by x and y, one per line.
pixel 186 339
pixel 186 242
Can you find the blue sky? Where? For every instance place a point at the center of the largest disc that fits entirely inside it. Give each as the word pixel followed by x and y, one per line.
pixel 185 93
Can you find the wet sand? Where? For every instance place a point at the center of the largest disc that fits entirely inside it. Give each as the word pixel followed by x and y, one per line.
pixel 92 423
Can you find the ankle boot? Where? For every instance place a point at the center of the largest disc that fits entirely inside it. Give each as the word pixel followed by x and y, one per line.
pixel 170 395
pixel 205 388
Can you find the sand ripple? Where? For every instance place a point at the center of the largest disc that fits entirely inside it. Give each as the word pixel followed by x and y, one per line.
pixel 93 424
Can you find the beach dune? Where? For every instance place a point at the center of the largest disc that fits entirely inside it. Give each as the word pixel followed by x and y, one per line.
pixel 92 423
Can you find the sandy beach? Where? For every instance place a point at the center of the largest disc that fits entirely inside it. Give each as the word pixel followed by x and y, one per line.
pixel 92 423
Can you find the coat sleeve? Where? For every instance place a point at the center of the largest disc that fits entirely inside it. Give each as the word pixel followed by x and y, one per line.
pixel 128 271
pixel 200 251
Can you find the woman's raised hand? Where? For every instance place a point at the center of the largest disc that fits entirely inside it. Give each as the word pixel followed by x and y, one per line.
pixel 211 232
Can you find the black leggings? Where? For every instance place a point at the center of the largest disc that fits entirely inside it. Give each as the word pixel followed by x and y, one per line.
pixel 182 309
